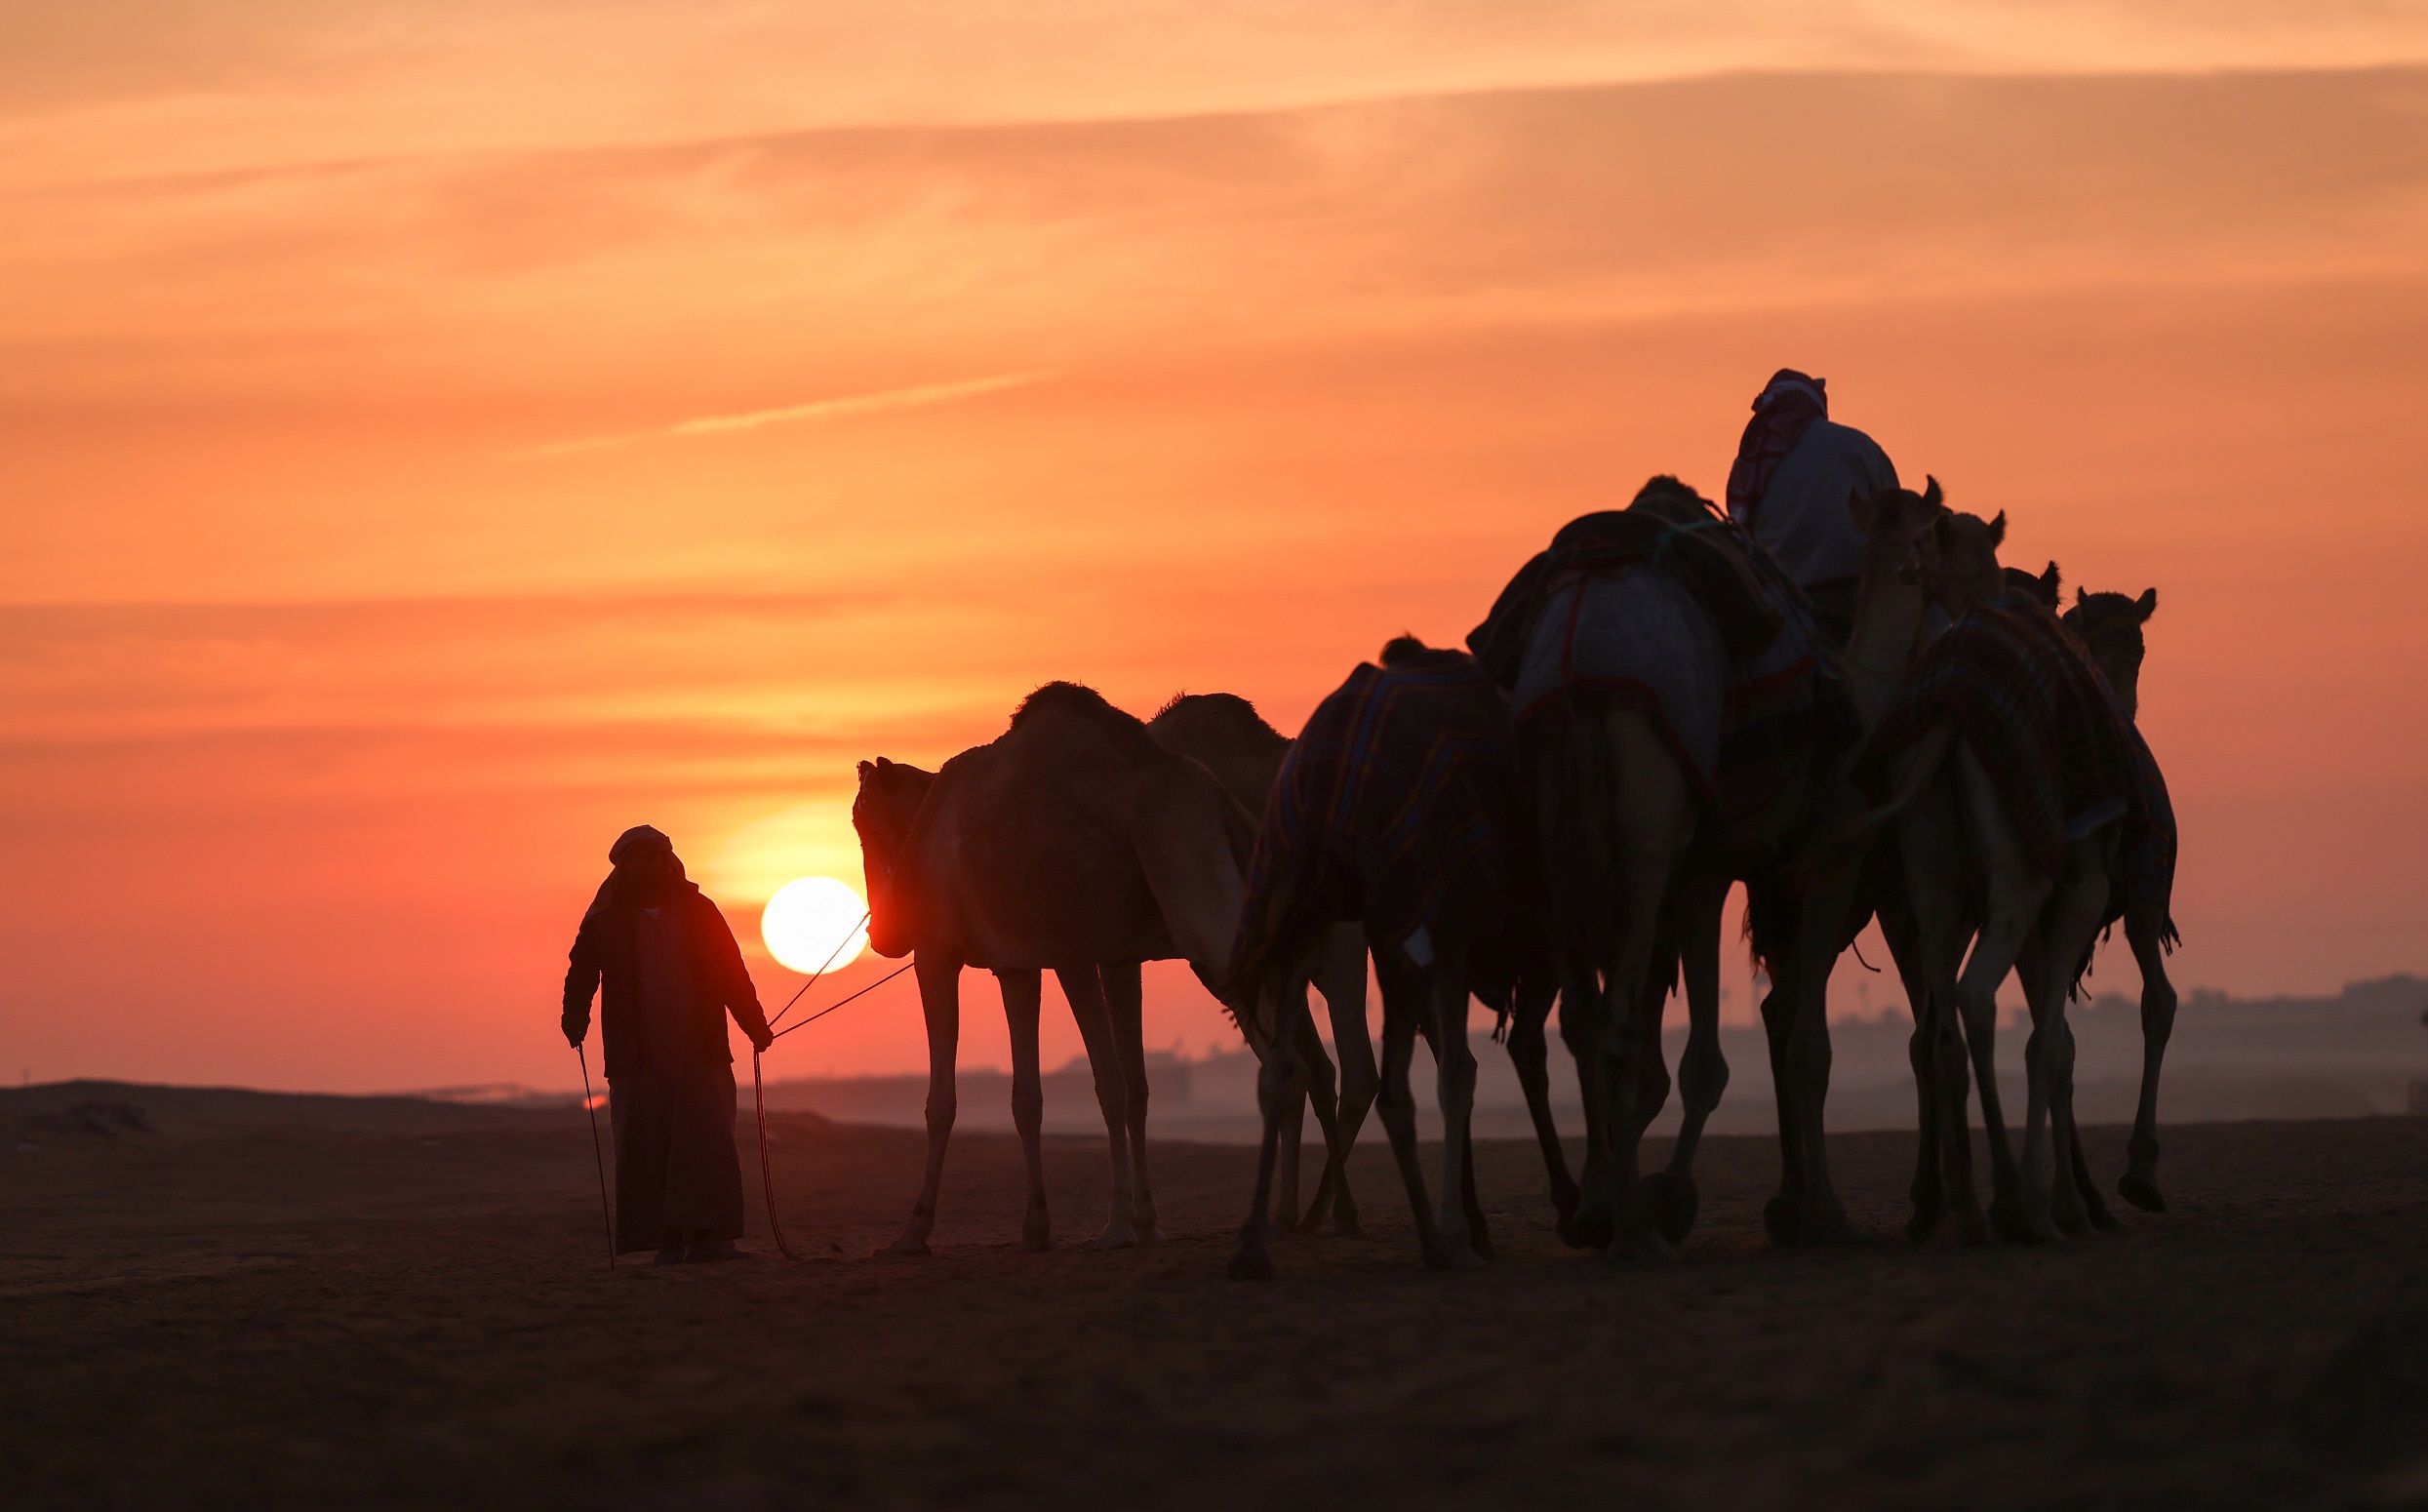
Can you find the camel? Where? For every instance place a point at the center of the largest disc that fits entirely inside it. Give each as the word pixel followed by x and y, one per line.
pixel 1626 837
pixel 1224 733
pixel 1072 842
pixel 1961 837
pixel 1399 807
pixel 2109 625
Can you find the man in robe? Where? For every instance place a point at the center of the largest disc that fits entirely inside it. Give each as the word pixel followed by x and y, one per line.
pixel 1789 486
pixel 667 971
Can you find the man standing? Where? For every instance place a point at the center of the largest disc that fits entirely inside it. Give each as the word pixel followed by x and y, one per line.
pixel 1789 486
pixel 667 971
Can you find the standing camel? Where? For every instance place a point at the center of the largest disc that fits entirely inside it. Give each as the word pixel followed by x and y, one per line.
pixel 1399 807
pixel 1225 734
pixel 2014 785
pixel 1072 842
pixel 2109 625
pixel 1634 662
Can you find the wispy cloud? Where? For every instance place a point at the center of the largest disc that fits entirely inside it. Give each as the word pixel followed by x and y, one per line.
pixel 817 412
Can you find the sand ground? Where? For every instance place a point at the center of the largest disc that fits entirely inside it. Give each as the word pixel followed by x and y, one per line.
pixel 418 1313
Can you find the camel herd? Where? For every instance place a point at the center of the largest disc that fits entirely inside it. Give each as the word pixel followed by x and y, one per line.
pixel 1652 717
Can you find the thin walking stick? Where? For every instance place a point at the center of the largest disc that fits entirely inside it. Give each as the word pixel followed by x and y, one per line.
pixel 597 1155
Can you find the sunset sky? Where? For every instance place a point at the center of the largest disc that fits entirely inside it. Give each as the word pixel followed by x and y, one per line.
pixel 436 436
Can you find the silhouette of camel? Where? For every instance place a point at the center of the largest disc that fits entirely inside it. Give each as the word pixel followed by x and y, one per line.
pixel 2109 625
pixel 1226 734
pixel 1073 842
pixel 1959 839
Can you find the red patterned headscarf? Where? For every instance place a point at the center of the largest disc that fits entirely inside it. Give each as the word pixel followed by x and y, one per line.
pixel 1786 404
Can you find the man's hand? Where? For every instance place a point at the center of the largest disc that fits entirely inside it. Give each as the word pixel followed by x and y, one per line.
pixel 575 1028
pixel 761 1038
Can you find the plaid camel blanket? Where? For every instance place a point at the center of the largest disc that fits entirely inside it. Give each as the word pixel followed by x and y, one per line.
pixel 1398 805
pixel 2026 696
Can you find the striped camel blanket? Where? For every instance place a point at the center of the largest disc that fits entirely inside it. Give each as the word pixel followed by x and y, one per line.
pixel 2028 701
pixel 1398 805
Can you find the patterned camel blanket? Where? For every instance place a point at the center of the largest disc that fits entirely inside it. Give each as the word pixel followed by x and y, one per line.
pixel 1398 805
pixel 2026 696
pixel 1703 634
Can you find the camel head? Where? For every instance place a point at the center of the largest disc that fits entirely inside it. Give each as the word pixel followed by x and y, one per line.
pixel 883 812
pixel 2046 590
pixel 1890 520
pixel 1956 561
pixel 2109 625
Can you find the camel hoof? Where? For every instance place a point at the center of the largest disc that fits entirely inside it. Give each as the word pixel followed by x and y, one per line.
pixel 1149 1234
pixel 1588 1228
pixel 908 1245
pixel 2141 1192
pixel 1673 1202
pixel 2006 1221
pixel 1837 1231
pixel 1778 1219
pixel 1645 1247
pixel 1036 1243
pixel 1116 1236
pixel 1923 1224
pixel 1348 1229
pixel 1251 1262
pixel 2101 1219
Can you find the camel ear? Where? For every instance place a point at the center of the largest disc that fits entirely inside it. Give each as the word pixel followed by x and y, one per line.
pixel 1931 497
pixel 866 770
pixel 2055 583
pixel 1998 530
pixel 2147 604
pixel 2080 595
pixel 1859 509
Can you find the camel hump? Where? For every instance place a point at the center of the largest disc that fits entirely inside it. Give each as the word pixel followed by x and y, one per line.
pixel 1223 733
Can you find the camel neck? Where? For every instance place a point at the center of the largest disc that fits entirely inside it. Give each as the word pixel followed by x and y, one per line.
pixel 1887 625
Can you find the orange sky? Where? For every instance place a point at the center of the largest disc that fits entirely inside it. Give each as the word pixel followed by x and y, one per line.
pixel 434 437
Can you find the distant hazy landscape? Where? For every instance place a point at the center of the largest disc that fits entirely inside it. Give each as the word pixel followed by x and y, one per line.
pixel 2350 1056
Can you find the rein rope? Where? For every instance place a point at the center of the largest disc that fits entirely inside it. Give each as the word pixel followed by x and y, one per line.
pixel 758 1082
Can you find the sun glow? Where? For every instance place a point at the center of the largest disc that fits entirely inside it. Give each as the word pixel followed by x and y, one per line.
pixel 814 923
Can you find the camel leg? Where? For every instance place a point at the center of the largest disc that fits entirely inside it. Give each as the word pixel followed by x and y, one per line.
pixel 1929 1194
pixel 1316 1072
pixel 2051 1198
pixel 1083 989
pixel 1402 1008
pixel 1341 976
pixel 1022 993
pixel 1933 921
pixel 1702 1070
pixel 1277 1085
pixel 1529 1052
pixel 939 1003
pixel 1454 1063
pixel 1125 1002
pixel 1782 1214
pixel 2076 1205
pixel 1821 914
pixel 2139 1186
pixel 1580 1030
pixel 1654 823
pixel 2015 895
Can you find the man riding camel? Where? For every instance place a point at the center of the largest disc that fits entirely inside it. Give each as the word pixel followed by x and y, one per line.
pixel 667 971
pixel 1794 469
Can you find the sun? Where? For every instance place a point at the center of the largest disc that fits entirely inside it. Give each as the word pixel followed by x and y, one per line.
pixel 815 922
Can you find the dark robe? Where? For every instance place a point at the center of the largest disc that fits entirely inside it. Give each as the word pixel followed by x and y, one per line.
pixel 666 977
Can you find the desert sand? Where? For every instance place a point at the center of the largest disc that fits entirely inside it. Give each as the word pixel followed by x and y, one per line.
pixel 317 1302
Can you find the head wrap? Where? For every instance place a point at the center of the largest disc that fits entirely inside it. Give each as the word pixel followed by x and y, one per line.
pixel 1788 404
pixel 639 841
